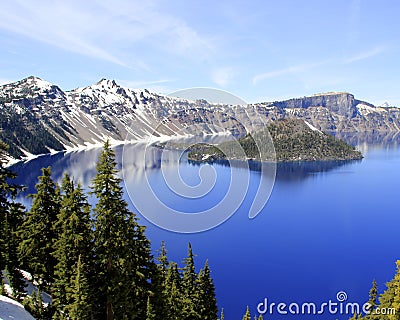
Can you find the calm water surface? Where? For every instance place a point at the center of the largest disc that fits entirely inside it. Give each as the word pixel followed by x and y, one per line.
pixel 327 227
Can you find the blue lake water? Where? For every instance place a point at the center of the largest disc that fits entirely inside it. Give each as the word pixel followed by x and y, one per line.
pixel 327 227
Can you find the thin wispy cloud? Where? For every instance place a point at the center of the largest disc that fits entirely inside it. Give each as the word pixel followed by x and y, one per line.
pixel 366 54
pixel 300 68
pixel 55 24
pixel 103 30
pixel 146 21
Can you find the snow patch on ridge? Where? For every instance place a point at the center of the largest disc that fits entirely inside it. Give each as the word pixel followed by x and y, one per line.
pixel 364 109
pixel 312 127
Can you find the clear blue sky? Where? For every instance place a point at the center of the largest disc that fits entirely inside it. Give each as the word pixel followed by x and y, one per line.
pixel 259 50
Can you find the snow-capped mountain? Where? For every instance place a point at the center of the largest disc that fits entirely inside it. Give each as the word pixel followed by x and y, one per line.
pixel 38 117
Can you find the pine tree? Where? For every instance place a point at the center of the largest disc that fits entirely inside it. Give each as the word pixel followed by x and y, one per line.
pixel 79 306
pixel 390 299
pixel 189 287
pixel 373 294
pixel 122 252
pixel 7 190
pixel 160 275
pixel 386 298
pixel 34 305
pixel 173 293
pixel 396 299
pixel 73 243
pixel 138 269
pixel 207 303
pixel 260 317
pixel 162 259
pixel 150 314
pixel 13 223
pixel 38 230
pixel 247 315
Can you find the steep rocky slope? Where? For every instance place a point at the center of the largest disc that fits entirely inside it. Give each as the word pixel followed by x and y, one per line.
pixel 39 117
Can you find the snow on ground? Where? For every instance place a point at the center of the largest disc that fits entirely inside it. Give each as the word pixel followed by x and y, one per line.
pixel 11 309
pixel 364 109
pixel 30 286
pixel 28 156
pixel 10 161
pixel 312 127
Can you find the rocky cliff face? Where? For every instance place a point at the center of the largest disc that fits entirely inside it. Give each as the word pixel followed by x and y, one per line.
pixel 340 103
pixel 339 112
pixel 38 117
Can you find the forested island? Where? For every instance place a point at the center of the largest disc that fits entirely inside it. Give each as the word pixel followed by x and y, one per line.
pixel 281 140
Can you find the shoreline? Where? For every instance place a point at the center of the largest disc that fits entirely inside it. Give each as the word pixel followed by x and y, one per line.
pixel 99 144
pixel 271 161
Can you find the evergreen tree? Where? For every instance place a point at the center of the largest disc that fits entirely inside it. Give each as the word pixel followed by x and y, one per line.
pixel 386 299
pixel 122 252
pixel 260 317
pixel 160 275
pixel 373 294
pixel 138 269
pixel 100 269
pixel 79 306
pixel 390 299
pixel 13 223
pixel 38 230
pixel 189 287
pixel 150 315
pixel 34 305
pixel 247 315
pixel 396 299
pixel 7 190
pixel 162 259
pixel 207 303
pixel 173 293
pixel 73 243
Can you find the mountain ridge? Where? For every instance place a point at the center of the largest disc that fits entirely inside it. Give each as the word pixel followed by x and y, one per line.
pixel 38 117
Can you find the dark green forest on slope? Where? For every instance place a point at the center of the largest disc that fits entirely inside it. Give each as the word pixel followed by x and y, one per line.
pixel 26 132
